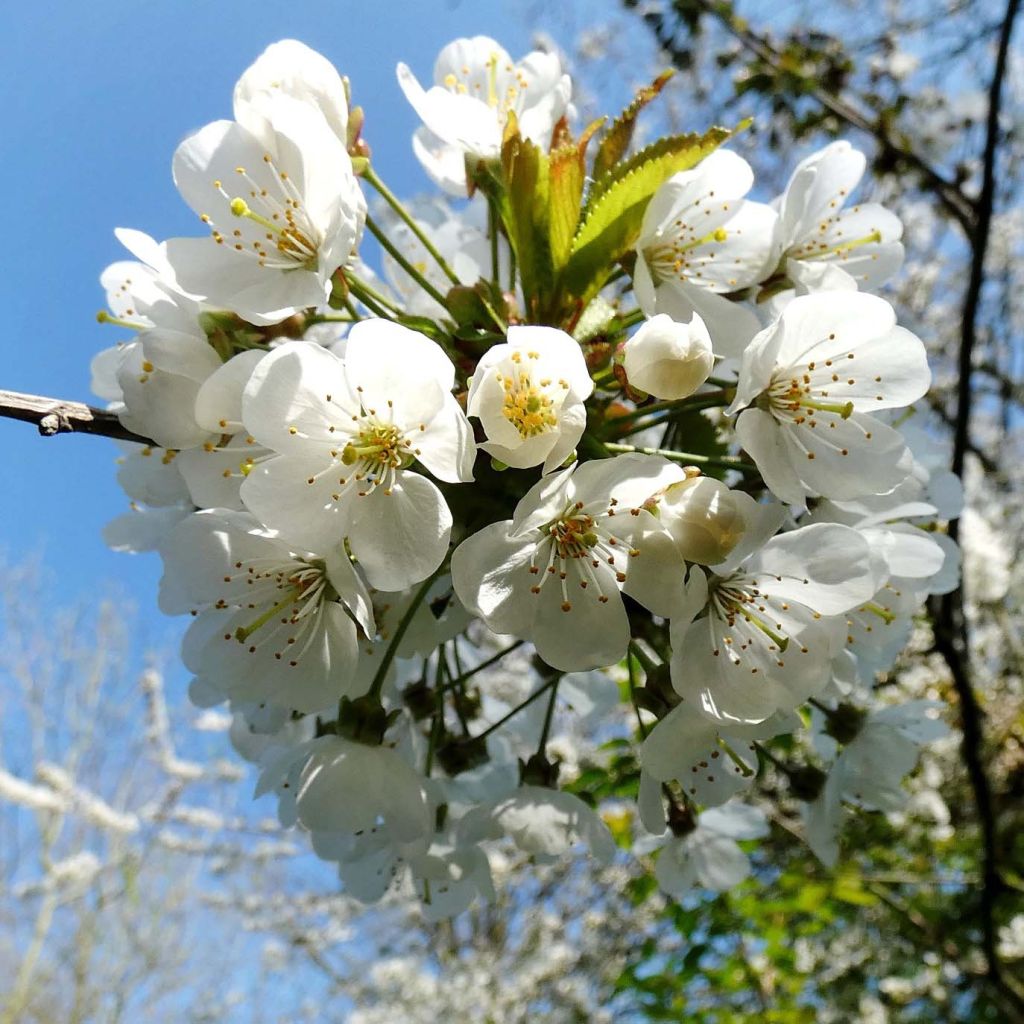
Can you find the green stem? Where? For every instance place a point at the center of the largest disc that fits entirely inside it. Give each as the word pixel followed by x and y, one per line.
pixel 519 707
pixel 631 318
pixel 548 715
pixel 492 232
pixel 707 400
pixel 364 291
pixel 631 668
pixel 483 665
pixel 686 457
pixel 389 655
pixel 387 245
pixel 392 200
pixel 646 662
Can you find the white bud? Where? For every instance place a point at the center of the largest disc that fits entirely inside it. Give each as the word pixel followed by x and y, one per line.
pixel 667 359
pixel 705 518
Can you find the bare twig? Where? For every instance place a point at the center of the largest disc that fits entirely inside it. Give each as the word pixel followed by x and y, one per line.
pixel 56 416
pixel 952 636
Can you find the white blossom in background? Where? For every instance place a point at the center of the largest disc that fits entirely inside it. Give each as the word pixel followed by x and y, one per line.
pixel 528 395
pixel 807 387
pixel 458 234
pixel 152 380
pixel 667 359
pixel 476 87
pixel 346 433
pixel 708 855
pixel 870 769
pixel 700 239
pixel 542 822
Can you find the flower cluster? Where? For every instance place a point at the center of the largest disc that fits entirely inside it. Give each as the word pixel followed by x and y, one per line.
pixel 603 414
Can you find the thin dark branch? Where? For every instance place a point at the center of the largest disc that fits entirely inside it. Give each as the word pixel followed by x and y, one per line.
pixel 952 636
pixel 56 416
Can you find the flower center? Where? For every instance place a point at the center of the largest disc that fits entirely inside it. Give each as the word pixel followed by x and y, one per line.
pixel 738 603
pixel 488 86
pixel 671 258
pixel 288 595
pixel 797 394
pixel 527 405
pixel 381 445
pixel 284 238
pixel 579 544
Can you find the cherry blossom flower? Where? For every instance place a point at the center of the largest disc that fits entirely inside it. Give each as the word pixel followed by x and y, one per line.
pixel 815 230
pixel 701 239
pixel 346 433
pixel 806 390
pixel 284 209
pixel 553 574
pixel 529 395
pixel 271 623
pixel 542 822
pixel 773 621
pixel 869 770
pixel 153 379
pixel 476 87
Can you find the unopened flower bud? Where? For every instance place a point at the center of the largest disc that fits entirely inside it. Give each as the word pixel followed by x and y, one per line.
pixel 667 359
pixel 705 518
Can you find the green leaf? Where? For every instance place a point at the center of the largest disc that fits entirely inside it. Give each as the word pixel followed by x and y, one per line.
pixel 615 209
pixel 617 139
pixel 527 176
pixel 566 174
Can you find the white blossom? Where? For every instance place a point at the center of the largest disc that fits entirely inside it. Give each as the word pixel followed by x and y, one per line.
pixel 476 87
pixel 346 432
pixel 285 211
pixel 774 621
pixel 807 387
pixel 701 239
pixel 272 623
pixel 553 573
pixel 814 228
pixel 528 394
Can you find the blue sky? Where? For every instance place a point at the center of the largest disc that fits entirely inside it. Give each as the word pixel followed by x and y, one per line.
pixel 98 96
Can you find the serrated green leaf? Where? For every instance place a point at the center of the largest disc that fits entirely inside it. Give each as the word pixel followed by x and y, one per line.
pixel 617 139
pixel 566 175
pixel 615 209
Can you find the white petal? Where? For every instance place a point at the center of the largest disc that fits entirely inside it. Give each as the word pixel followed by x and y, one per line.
pixel 401 537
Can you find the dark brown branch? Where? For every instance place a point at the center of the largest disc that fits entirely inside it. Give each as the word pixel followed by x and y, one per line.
pixel 952 636
pixel 56 416
pixel 949 193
